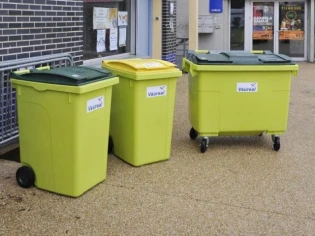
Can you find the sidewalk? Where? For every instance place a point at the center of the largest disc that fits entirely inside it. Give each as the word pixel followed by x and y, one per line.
pixel 240 186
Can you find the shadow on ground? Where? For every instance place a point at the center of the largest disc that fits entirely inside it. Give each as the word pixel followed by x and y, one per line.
pixel 13 155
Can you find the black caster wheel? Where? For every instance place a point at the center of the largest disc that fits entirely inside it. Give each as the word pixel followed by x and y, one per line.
pixel 203 146
pixel 276 143
pixel 25 177
pixel 110 145
pixel 193 134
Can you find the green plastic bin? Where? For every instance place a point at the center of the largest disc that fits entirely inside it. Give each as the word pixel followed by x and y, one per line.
pixel 63 126
pixel 238 93
pixel 142 109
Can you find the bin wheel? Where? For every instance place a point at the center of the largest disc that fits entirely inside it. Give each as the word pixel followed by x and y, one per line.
pixel 25 177
pixel 276 143
pixel 204 145
pixel 193 134
pixel 110 145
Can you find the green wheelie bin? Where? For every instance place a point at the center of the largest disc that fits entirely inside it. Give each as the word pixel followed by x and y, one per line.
pixel 142 109
pixel 63 118
pixel 238 93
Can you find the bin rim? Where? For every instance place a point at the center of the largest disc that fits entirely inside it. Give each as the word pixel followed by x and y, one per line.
pixel 71 75
pixel 66 88
pixel 169 70
pixel 193 68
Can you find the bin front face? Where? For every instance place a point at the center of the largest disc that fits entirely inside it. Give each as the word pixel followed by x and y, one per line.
pixel 61 140
pixel 239 102
pixel 141 126
pixel 142 111
pixel 64 126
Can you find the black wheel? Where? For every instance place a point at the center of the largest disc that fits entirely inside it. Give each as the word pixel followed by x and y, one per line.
pixel 25 177
pixel 276 144
pixel 203 146
pixel 110 145
pixel 193 134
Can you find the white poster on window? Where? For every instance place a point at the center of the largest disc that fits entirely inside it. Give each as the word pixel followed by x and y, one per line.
pixel 113 39
pixel 112 15
pixel 122 18
pixel 100 41
pixel 113 35
pixel 100 18
pixel 122 36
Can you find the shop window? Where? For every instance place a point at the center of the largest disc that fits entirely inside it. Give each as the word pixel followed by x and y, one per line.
pixel 106 30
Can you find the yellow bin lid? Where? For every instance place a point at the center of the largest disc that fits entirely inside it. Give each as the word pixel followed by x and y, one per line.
pixel 142 69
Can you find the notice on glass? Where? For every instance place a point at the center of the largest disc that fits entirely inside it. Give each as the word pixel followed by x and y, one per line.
pixel 263 24
pixel 291 18
pixel 100 18
pixel 113 35
pixel 113 39
pixel 122 36
pixel 122 18
pixel 112 15
pixel 100 43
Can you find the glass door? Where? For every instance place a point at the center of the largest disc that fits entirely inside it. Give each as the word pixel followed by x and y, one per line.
pixel 292 29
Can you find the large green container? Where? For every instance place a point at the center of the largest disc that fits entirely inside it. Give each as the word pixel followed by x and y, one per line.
pixel 142 109
pixel 238 93
pixel 63 125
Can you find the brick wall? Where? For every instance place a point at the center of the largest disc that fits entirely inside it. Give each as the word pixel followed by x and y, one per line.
pixel 30 28
pixel 168 32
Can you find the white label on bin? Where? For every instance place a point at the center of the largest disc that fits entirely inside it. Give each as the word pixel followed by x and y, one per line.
pixel 157 91
pixel 95 104
pixel 247 87
pixel 152 65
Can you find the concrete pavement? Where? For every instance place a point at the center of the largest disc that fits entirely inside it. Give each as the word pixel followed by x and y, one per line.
pixel 240 186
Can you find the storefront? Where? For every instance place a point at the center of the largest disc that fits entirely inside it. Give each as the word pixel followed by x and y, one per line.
pixel 278 26
pixel 285 27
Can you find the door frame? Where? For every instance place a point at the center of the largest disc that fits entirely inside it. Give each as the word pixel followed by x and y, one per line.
pixel 248 31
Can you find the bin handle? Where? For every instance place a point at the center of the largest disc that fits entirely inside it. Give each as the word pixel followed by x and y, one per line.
pixel 202 51
pixel 186 63
pixel 43 68
pixel 257 52
pixel 21 72
pixel 27 71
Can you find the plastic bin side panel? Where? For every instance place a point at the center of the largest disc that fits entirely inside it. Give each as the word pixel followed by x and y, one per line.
pixel 278 119
pixel 217 98
pixel 35 136
pixel 92 142
pixel 80 141
pixel 204 105
pixel 155 101
pixel 245 112
pixel 255 112
pixel 122 121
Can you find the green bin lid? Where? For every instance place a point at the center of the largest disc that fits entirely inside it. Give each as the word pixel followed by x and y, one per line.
pixel 239 58
pixel 72 75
